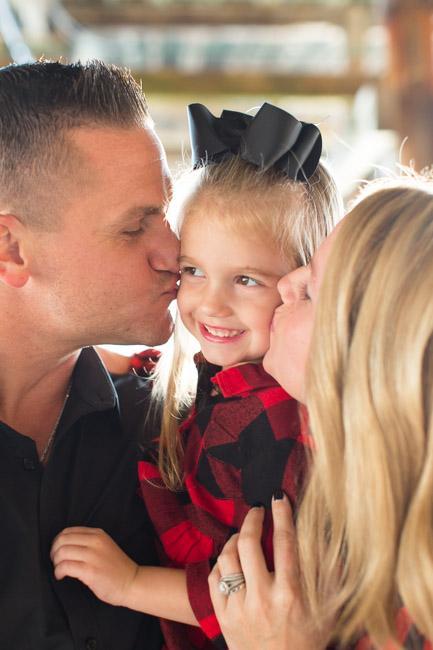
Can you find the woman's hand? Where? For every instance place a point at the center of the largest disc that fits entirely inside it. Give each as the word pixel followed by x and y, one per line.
pixel 90 555
pixel 269 613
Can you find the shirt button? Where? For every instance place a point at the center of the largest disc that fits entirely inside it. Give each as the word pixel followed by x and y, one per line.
pixel 29 464
pixel 91 644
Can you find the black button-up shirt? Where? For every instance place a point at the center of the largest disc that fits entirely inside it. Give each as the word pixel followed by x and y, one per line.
pixel 90 479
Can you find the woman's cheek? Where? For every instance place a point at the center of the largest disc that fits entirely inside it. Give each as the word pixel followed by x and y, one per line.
pixel 286 358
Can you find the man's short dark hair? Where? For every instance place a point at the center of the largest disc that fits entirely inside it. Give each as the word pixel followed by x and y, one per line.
pixel 39 103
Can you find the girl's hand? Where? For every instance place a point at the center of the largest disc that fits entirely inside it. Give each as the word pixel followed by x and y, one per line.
pixel 90 555
pixel 269 613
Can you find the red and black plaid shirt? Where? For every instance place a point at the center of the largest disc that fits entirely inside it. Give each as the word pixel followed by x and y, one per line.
pixel 241 445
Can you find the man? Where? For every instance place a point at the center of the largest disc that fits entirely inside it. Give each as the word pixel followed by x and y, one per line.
pixel 85 257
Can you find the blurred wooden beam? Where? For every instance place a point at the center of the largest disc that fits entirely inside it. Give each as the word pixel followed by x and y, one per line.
pixel 222 13
pixel 407 91
pixel 218 83
pixel 355 18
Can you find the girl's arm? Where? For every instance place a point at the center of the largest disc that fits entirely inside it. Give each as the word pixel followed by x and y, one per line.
pixel 269 614
pixel 90 555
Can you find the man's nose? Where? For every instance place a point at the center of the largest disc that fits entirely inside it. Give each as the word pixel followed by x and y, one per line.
pixel 164 254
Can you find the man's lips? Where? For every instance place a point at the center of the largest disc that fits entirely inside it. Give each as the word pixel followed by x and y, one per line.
pixel 220 334
pixel 172 288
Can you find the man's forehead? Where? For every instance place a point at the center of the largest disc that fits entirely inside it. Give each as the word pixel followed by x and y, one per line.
pixel 102 134
pixel 131 152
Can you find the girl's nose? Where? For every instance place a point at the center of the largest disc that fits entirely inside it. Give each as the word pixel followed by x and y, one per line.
pixel 214 303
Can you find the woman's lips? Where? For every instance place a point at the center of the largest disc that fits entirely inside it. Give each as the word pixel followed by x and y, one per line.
pixel 220 334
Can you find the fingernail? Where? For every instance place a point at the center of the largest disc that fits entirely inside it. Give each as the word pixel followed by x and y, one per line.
pixel 278 495
pixel 257 504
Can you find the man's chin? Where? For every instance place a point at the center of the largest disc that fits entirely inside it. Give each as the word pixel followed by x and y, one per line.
pixel 155 331
pixel 160 335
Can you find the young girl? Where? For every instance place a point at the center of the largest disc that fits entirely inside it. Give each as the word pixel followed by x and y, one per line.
pixel 256 205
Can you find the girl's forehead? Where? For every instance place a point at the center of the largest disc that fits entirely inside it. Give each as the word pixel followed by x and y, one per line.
pixel 218 231
pixel 229 218
pixel 216 248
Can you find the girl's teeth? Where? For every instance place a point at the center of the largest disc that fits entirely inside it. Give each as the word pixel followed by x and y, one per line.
pixel 224 333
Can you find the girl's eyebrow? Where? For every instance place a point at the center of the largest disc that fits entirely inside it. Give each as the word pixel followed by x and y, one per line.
pixel 252 271
pixel 237 270
pixel 183 258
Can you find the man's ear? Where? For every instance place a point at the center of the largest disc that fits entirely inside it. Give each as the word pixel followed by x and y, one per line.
pixel 13 267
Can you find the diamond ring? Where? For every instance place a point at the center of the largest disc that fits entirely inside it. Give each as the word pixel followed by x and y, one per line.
pixel 231 583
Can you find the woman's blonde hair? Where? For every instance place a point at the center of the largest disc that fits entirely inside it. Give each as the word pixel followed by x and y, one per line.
pixel 292 216
pixel 370 403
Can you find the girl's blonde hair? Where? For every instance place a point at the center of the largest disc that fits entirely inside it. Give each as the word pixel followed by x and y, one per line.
pixel 293 216
pixel 370 403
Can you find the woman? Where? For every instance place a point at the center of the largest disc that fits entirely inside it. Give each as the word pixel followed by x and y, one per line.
pixel 364 528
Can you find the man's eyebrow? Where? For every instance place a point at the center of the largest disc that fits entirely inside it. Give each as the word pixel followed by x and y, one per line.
pixel 145 211
pixel 142 212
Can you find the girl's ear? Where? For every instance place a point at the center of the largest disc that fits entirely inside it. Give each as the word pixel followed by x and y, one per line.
pixel 13 267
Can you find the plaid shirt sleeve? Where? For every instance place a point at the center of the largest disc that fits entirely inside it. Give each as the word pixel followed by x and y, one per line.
pixel 142 363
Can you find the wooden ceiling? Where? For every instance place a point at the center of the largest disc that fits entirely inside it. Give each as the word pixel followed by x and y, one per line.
pixel 215 13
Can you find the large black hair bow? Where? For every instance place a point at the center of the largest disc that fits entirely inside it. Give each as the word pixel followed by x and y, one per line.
pixel 270 138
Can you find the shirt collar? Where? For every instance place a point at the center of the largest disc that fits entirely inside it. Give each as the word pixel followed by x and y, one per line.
pixel 242 379
pixel 92 390
pixel 237 380
pixel 92 381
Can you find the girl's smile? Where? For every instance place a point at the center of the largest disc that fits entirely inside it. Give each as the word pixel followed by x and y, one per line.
pixel 228 291
pixel 218 334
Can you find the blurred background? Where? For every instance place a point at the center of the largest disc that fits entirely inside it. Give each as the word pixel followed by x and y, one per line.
pixel 362 70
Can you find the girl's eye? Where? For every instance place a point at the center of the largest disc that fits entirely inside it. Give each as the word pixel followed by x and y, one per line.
pixel 246 281
pixel 192 270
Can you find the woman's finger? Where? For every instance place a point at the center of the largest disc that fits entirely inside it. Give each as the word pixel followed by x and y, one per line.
pixel 250 548
pixel 284 542
pixel 228 563
pixel 219 601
